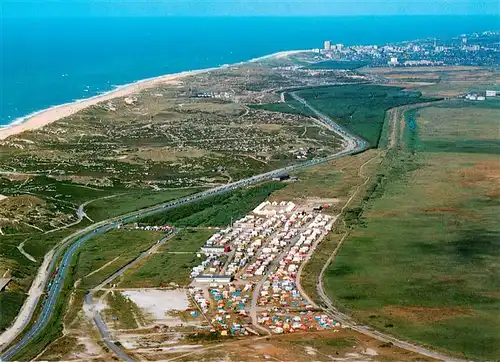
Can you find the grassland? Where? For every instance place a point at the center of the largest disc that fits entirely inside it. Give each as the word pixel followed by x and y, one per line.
pixel 172 263
pixel 130 201
pixel 38 243
pixel 287 107
pixel 11 302
pixel 102 255
pixel 216 210
pixel 452 81
pixel 360 107
pixel 122 312
pixel 188 240
pixel 422 259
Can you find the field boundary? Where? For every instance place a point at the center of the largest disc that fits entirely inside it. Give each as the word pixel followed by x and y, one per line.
pixel 393 142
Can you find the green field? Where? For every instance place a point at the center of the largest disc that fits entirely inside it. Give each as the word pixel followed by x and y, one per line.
pixel 290 106
pixel 161 270
pixel 103 255
pixel 123 203
pixel 422 261
pixel 358 107
pixel 166 266
pixel 116 247
pixel 188 240
pixel 11 302
pixel 217 210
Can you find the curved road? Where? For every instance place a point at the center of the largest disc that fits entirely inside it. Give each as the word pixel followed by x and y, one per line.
pixel 352 143
pixel 344 318
pixel 96 316
pixel 37 287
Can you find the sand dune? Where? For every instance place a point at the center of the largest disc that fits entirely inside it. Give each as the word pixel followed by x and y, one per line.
pixel 45 117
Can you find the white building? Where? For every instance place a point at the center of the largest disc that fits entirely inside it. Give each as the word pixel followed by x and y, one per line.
pixel 491 93
pixel 327 45
pixel 212 249
pixel 393 61
pixel 219 279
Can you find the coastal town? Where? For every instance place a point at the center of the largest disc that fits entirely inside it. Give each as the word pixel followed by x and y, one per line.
pixel 475 49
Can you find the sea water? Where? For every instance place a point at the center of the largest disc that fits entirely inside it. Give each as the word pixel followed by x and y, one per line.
pixel 49 61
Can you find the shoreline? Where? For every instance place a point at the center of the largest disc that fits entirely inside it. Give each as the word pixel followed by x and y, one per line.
pixel 49 115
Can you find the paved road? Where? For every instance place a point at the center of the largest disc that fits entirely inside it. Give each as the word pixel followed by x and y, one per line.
pixel 37 287
pixel 258 287
pixel 344 318
pixel 96 315
pixel 353 144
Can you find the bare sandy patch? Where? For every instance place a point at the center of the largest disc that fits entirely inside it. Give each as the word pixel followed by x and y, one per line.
pixel 18 176
pixel 310 351
pixel 486 173
pixel 425 314
pixel 159 303
pixel 87 348
pixel 270 126
pixel 165 154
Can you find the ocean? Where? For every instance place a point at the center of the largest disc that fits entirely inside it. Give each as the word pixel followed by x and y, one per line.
pixel 49 61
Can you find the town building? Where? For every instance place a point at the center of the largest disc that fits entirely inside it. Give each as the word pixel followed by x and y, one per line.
pixel 393 61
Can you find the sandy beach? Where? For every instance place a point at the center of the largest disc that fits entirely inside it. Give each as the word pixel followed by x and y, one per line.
pixel 47 116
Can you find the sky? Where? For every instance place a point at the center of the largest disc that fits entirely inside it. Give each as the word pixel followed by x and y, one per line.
pixel 64 8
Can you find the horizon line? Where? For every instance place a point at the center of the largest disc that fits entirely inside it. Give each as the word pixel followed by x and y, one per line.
pixel 19 16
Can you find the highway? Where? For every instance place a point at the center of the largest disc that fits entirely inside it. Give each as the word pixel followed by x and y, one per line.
pixel 352 143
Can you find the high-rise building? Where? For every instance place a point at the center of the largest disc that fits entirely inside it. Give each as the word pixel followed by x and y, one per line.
pixel 328 45
pixel 339 47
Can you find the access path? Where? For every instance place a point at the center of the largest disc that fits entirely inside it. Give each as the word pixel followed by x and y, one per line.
pixel 353 144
